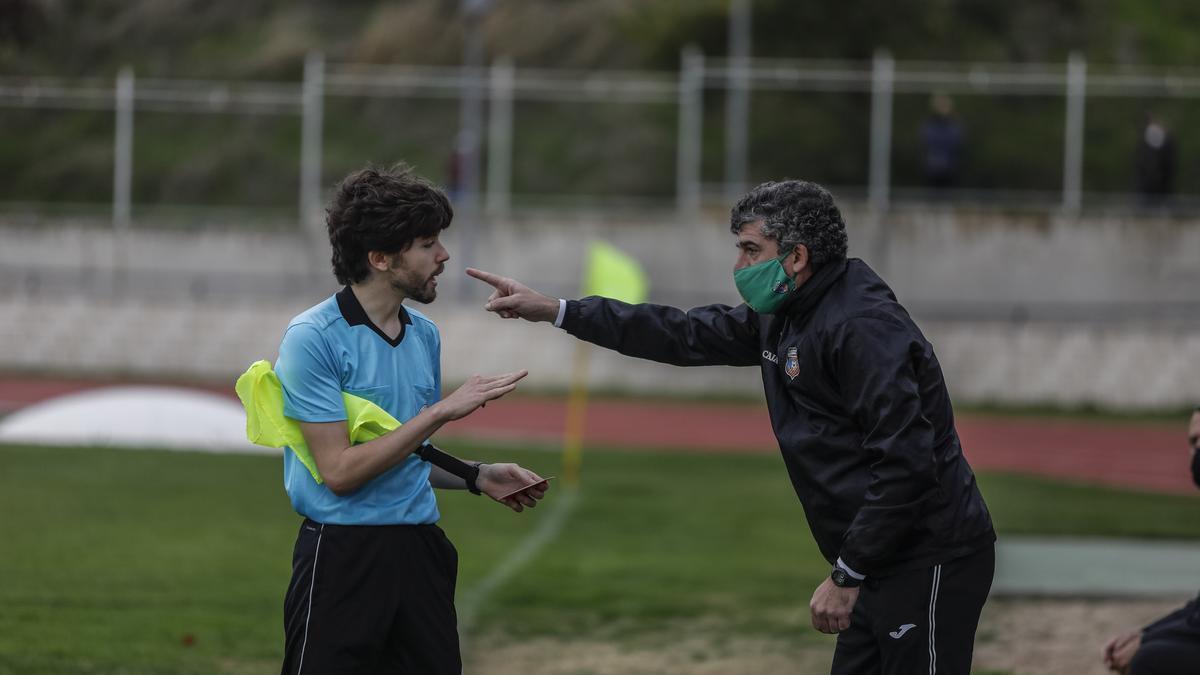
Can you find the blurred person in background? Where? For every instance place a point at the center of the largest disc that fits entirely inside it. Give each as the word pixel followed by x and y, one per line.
pixel 942 142
pixel 457 164
pixel 454 169
pixel 863 419
pixel 1171 645
pixel 1155 163
pixel 373 576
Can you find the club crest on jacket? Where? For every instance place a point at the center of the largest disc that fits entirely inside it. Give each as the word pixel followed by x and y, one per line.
pixel 792 365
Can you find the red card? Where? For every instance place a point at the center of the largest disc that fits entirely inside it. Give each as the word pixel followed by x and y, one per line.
pixel 526 487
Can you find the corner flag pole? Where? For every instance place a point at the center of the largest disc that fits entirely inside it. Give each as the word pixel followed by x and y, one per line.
pixel 612 274
pixel 576 415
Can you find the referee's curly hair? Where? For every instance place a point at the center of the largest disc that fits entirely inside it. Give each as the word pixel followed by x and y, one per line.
pixel 381 209
pixel 795 212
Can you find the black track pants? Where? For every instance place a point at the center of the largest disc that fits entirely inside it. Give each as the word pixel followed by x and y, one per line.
pixel 917 623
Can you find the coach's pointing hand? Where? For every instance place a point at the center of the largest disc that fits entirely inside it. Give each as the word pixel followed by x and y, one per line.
pixel 513 300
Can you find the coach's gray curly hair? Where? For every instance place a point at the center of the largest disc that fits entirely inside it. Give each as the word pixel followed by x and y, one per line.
pixel 795 212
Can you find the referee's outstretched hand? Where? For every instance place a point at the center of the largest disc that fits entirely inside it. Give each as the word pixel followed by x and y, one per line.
pixel 474 394
pixel 512 299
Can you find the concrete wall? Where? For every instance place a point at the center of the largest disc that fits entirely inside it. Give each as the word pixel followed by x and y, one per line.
pixel 1021 308
pixel 953 263
pixel 1049 267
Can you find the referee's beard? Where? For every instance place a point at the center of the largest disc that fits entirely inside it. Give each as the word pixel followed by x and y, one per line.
pixel 423 290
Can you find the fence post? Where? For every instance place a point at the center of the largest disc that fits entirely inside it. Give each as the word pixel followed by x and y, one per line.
pixel 123 150
pixel 472 227
pixel 313 100
pixel 687 163
pixel 883 76
pixel 1072 198
pixel 500 135
pixel 737 100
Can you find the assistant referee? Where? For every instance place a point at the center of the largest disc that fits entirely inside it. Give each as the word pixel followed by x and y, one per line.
pixel 373 576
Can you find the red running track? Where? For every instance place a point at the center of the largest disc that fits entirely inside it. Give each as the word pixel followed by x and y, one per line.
pixel 1133 455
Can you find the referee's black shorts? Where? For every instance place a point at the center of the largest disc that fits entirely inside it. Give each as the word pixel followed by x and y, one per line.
pixel 371 599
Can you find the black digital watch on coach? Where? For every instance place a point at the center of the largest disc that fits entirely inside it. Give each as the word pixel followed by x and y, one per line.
pixel 843 580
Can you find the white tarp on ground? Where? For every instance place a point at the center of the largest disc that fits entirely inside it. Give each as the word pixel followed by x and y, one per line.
pixel 134 417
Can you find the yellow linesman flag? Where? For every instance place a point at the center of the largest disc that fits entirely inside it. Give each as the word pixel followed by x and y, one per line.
pixel 266 425
pixel 613 274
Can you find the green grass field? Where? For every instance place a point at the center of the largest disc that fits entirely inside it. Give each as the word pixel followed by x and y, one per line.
pixel 112 558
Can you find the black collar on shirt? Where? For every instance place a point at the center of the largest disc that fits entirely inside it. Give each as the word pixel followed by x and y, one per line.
pixel 810 292
pixel 354 314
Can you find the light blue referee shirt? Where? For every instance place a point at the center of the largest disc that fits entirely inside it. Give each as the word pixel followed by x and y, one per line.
pixel 331 348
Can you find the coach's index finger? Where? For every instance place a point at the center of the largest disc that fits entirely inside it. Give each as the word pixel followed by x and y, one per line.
pixel 487 277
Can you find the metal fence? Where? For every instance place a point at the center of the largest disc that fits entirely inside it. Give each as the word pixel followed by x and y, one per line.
pixel 502 85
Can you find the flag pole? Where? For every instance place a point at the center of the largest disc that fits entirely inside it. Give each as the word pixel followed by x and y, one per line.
pixel 609 273
pixel 576 415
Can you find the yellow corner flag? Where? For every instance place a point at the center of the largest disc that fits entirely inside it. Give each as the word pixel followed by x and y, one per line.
pixel 609 273
pixel 613 274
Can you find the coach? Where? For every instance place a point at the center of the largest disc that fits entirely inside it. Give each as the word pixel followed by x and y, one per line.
pixel 860 409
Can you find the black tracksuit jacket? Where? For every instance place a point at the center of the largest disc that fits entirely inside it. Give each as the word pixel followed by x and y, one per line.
pixel 857 402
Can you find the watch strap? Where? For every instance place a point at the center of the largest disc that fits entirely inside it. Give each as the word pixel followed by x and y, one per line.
pixel 468 472
pixel 842 579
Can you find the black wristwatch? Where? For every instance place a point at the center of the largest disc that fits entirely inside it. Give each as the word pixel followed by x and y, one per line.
pixel 842 579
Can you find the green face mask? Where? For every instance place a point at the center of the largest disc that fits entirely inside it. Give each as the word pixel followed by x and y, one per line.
pixel 764 286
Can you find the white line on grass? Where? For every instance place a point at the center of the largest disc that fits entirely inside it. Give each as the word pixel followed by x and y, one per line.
pixel 471 601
